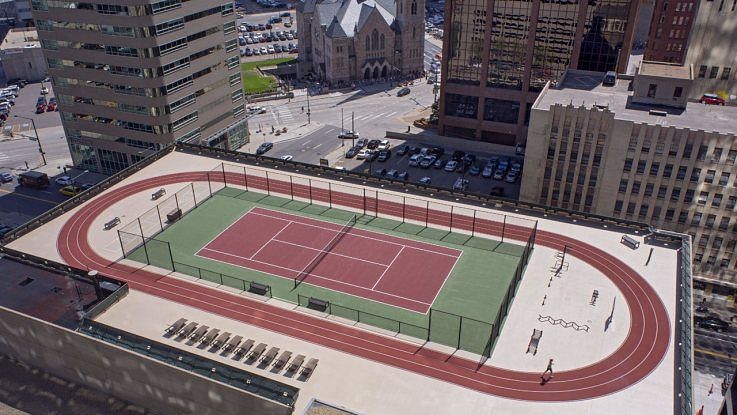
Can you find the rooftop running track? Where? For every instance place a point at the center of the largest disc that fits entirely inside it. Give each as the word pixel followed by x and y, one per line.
pixel 640 353
pixel 380 267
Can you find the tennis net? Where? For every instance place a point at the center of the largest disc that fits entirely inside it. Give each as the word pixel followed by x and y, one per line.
pixel 325 251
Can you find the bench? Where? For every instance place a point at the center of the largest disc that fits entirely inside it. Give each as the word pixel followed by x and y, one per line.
pixel 174 215
pixel 157 194
pixel 174 328
pixel 630 242
pixel 317 304
pixel 283 359
pixel 232 343
pixel 296 363
pixel 243 348
pixel 270 355
pixel 199 333
pixel 221 339
pixel 112 223
pixel 189 328
pixel 257 288
pixel 257 351
pixel 534 340
pixel 210 336
pixel 309 367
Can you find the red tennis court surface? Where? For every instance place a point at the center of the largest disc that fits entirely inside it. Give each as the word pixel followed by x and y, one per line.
pixel 376 266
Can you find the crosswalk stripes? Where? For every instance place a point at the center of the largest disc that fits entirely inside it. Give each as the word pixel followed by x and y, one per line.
pixel 3 156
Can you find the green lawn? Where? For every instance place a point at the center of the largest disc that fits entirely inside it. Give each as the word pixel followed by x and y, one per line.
pixel 254 82
pixel 475 288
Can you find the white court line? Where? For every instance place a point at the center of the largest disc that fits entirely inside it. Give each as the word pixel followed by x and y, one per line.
pixel 272 238
pixel 365 236
pixel 311 275
pixel 331 252
pixel 387 268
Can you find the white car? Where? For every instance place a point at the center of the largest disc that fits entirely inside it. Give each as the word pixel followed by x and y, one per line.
pixel 63 181
pixel 271 49
pixel 264 51
pixel 511 177
pixel 384 145
pixel 286 157
pixel 44 90
pixel 451 166
pixel 363 154
pixel 243 28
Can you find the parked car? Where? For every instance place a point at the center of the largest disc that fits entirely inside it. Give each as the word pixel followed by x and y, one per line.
pixel 511 177
pixel 362 142
pixel 384 145
pixel 499 174
pixel 6 177
pixel 384 155
pixel 712 99
pixel 352 152
pixel 363 154
pixel 461 184
pixel 52 106
pixel 426 180
pixel 414 161
pixel 439 163
pixel 393 173
pixel 263 148
pixel 458 155
pixel 402 150
pixel 286 157
pixel 402 92
pixel 474 170
pixel 427 161
pixel 380 172
pixel 70 190
pixel 403 176
pixel 373 144
pixel 610 78
pixel 712 323
pixel 348 134
pixel 488 172
pixel 63 181
pixel 516 167
pixel 44 90
pixel 4 230
pixel 451 165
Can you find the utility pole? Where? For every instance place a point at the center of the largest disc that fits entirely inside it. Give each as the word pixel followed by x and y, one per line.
pixel 308 105
pixel 353 127
pixel 342 129
pixel 38 140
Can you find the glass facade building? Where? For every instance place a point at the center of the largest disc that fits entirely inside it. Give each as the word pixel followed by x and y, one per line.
pixel 500 54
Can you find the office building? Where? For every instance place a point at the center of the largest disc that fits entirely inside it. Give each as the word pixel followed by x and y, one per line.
pixel 670 29
pixel 348 40
pixel 640 151
pixel 498 59
pixel 21 56
pixel 131 78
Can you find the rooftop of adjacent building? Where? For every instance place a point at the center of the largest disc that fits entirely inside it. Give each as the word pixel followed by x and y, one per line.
pixel 665 70
pixel 585 88
pixel 20 38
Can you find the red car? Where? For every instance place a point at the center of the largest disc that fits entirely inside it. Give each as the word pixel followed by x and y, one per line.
pixel 51 107
pixel 712 99
pixel 40 108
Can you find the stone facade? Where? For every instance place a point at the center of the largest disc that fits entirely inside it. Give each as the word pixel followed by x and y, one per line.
pixel 348 40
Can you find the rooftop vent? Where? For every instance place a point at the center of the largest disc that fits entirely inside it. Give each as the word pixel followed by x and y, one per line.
pixel 25 282
pixel 658 113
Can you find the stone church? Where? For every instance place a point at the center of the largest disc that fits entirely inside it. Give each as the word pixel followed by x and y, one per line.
pixel 348 40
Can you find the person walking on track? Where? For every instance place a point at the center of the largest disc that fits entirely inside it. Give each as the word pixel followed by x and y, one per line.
pixel 549 370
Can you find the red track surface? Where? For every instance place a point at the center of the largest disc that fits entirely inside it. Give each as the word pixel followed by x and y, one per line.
pixel 380 267
pixel 639 354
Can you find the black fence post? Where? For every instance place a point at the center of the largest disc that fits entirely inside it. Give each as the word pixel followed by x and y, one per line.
pixel 364 201
pixel 120 239
pixel 245 177
pixel 309 188
pixel 451 219
pixel 145 250
pixel 460 329
pixel 429 324
pixel 291 187
pixel 427 213
pixel 225 181
pixel 176 200
pixel 404 208
pixel 161 222
pixel 209 185
pixel 473 224
pixel 268 187
pixel 330 195
pixel 193 194
pixel 504 227
pixel 171 256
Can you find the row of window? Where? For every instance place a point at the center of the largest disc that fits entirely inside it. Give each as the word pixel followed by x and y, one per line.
pixel 703 151
pixel 121 10
pixel 714 72
pixel 709 177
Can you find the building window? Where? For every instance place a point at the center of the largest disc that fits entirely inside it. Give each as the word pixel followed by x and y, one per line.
pixel 702 71
pixel 641 166
pixel 630 208
pixel 695 173
pixel 714 72
pixel 668 171
pixel 669 215
pixel 724 179
pixel 731 202
pixel 710 219
pixel 636 188
pixel 725 73
pixel 649 189
pixel 681 175
pixel 717 201
pixel 662 191
pixel 652 89
pixel 724 224
pixel 696 219
pixel 683 217
pixel 678 92
pixel 654 168
pixel 628 165
pixel 675 194
pixel 618 206
pixel 623 185
pixel 463 106
pixel 688 198
pixel 710 176
pixel 703 196
pixel 500 110
pixel 643 211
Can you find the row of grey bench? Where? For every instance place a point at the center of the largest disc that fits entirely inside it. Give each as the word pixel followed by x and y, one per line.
pixel 235 344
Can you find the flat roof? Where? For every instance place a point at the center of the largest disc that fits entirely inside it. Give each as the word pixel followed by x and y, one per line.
pixel 585 88
pixel 46 295
pixel 20 39
pixel 589 314
pixel 665 70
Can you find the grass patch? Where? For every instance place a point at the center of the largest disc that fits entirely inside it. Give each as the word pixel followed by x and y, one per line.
pixel 254 82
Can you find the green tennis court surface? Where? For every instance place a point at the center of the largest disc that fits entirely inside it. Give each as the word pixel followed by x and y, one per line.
pixel 461 315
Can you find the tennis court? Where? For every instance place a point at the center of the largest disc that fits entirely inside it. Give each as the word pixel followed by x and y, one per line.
pixel 380 267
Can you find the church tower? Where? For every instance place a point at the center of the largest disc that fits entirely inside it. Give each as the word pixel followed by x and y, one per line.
pixel 410 44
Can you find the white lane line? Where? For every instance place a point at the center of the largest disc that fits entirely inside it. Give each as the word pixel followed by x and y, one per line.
pixel 270 239
pixel 387 268
pixel 331 253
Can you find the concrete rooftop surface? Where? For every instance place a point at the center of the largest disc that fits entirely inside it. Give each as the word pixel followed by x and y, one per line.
pixel 580 88
pixel 618 357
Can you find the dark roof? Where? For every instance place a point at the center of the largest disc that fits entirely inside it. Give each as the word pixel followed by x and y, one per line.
pixel 344 18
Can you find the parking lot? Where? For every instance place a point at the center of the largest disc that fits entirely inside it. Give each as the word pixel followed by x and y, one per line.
pixel 273 34
pixel 502 184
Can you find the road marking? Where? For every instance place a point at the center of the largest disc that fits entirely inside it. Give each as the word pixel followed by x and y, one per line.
pixel 29 197
pixel 715 354
pixel 4 156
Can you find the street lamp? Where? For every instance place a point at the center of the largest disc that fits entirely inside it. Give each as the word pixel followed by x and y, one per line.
pixel 38 140
pixel 308 105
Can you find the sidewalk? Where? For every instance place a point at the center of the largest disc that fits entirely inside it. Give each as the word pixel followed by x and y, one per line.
pixel 256 138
